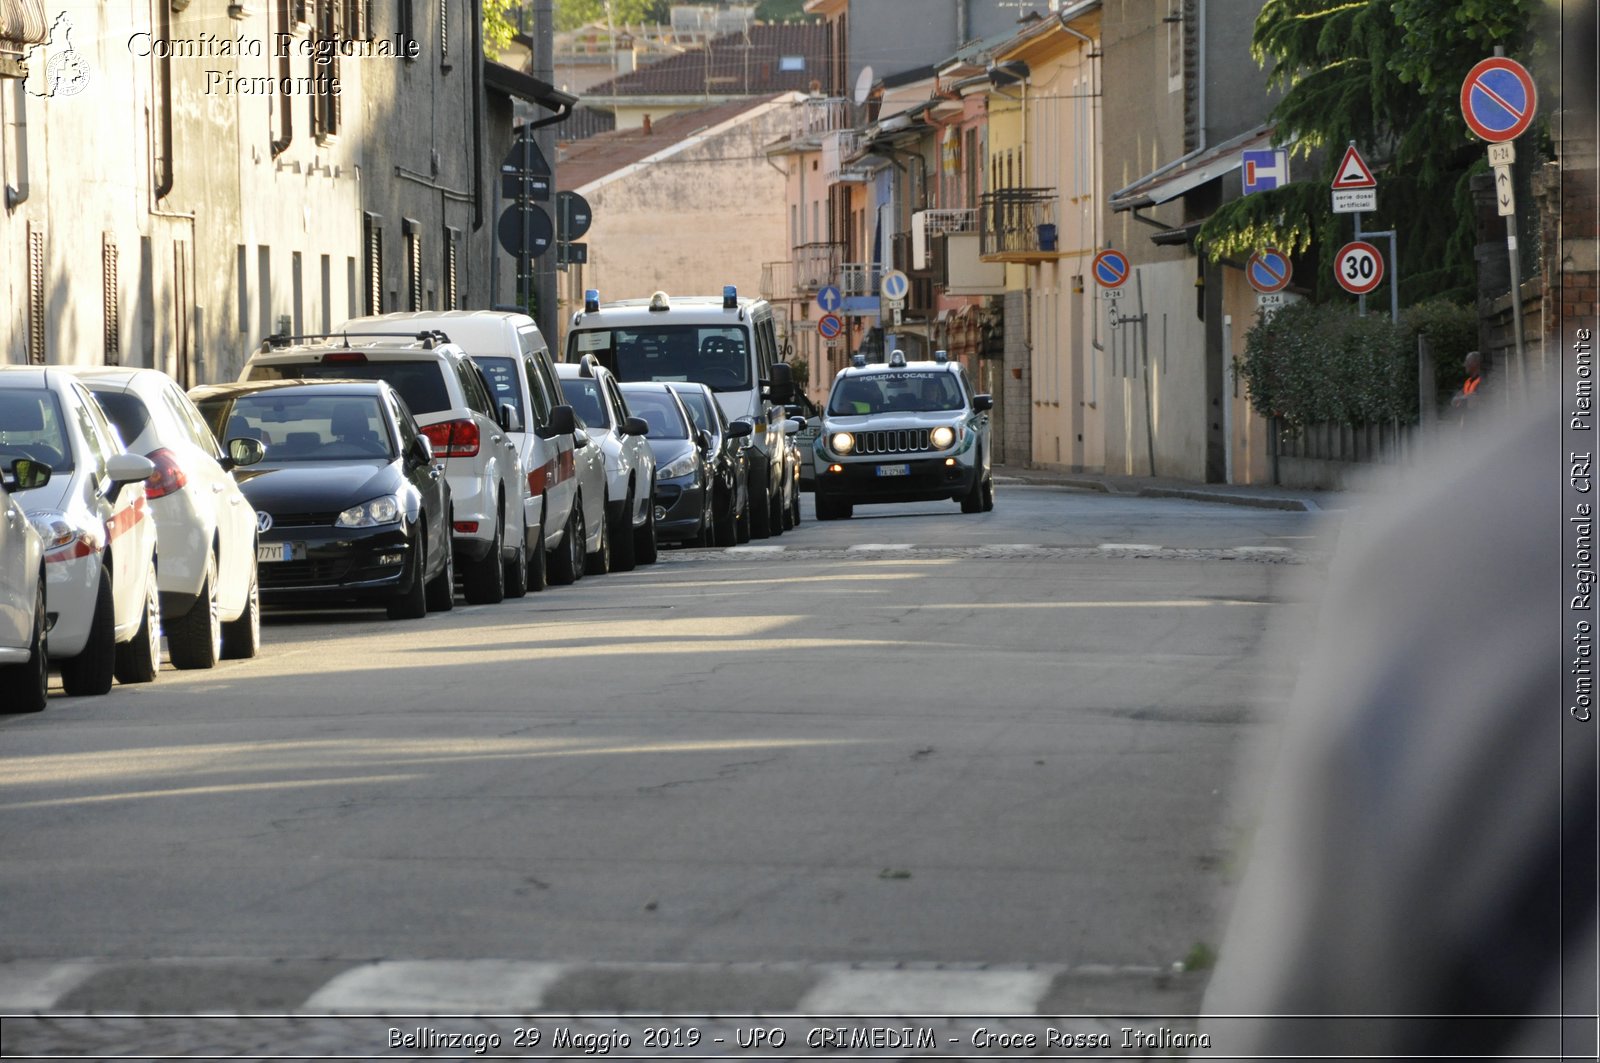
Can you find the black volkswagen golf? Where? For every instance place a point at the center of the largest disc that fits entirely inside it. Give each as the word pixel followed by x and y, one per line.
pixel 349 504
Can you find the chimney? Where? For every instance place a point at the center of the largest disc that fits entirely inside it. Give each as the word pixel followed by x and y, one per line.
pixel 645 125
pixel 626 61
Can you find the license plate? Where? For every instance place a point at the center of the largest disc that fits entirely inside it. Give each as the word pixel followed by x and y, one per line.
pixel 277 552
pixel 894 470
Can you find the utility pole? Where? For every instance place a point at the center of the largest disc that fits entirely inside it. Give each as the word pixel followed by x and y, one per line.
pixel 544 267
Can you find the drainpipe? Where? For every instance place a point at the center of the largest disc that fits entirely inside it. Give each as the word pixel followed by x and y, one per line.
pixel 17 194
pixel 961 22
pixel 1200 74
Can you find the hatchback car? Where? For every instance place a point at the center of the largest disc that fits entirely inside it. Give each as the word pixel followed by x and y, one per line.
pixel 730 470
pixel 349 505
pixel 24 664
pixel 683 494
pixel 630 463
pixel 99 540
pixel 471 435
pixel 205 530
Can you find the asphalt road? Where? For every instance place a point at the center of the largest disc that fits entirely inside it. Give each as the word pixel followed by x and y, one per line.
pixel 913 738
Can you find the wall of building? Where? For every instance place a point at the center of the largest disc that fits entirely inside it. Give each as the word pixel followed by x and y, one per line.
pixel 893 36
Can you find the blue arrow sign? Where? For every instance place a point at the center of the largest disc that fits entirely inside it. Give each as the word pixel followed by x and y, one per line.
pixel 829 297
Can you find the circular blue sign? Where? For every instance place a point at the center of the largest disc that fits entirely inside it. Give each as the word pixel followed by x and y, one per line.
pixel 1269 271
pixel 1498 99
pixel 1110 269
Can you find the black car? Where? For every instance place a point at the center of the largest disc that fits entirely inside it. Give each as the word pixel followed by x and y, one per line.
pixel 730 466
pixel 350 506
pixel 683 471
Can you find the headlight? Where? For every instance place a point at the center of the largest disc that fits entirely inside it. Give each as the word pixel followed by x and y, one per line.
pixel 53 529
pixel 684 466
pixel 842 442
pixel 943 436
pixel 385 510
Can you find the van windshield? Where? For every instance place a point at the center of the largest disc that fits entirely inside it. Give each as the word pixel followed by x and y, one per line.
pixel 715 355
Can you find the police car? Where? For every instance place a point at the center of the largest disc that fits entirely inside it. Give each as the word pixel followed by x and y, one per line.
pixel 903 432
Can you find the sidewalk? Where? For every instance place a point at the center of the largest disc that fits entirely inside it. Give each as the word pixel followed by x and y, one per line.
pixel 1261 496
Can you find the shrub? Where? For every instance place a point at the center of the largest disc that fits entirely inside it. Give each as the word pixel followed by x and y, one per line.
pixel 1452 331
pixel 1314 362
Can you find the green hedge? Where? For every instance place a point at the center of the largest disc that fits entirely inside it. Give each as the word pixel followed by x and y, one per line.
pixel 1313 362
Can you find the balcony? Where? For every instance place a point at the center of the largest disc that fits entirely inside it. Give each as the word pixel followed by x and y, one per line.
pixel 777 280
pixel 815 265
pixel 1019 225
pixel 816 116
pixel 938 222
pixel 860 278
pixel 839 146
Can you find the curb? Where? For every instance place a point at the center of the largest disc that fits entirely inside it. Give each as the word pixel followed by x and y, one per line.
pixel 1192 494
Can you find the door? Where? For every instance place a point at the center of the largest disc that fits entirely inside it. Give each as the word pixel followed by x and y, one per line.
pixel 15 608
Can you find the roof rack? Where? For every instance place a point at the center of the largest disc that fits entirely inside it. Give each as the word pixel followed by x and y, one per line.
pixel 429 338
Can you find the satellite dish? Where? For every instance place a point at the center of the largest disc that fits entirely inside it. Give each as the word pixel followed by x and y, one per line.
pixel 863 85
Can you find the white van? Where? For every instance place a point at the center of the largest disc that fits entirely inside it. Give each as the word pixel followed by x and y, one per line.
pixel 730 345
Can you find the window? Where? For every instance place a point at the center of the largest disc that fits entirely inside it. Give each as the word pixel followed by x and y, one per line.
pixel 242 266
pixel 264 288
pixel 501 373
pixel 473 389
pixel 372 239
pixel 406 24
pixel 108 299
pixel 1174 24
pixel 357 26
pixel 325 107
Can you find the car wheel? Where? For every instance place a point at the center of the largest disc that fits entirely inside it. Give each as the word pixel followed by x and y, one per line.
pixel 761 511
pixel 139 659
pixel 538 564
pixel 786 505
pixel 27 685
pixel 726 521
pixel 441 590
pixel 91 670
pixel 794 503
pixel 195 639
pixel 775 512
pixel 412 603
pixel 624 540
pixel 241 638
pixel 485 582
pixel 566 567
pixel 644 537
pixel 741 520
pixel 517 567
pixel 988 494
pixel 598 563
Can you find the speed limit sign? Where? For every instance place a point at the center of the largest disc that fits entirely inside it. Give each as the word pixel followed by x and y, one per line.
pixel 1358 267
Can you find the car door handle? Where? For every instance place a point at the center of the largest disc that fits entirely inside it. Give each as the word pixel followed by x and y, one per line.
pixel 218 488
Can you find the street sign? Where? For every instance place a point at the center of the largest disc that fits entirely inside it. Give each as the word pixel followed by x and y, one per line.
pixel 573 216
pixel 1358 267
pixel 1263 171
pixel 1269 270
pixel 570 254
pixel 895 285
pixel 526 157
pixel 1502 154
pixel 1354 200
pixel 1353 171
pixel 1111 294
pixel 830 298
pixel 525 229
pixel 514 184
pixel 829 326
pixel 1110 269
pixel 1498 99
pixel 1267 302
pixel 1505 200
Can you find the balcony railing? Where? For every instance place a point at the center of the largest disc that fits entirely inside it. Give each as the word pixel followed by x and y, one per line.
pixel 777 280
pixel 815 265
pixel 860 278
pixel 819 115
pixel 951 221
pixel 837 147
pixel 1019 225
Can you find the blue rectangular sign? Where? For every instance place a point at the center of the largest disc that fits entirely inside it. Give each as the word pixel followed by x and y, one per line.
pixel 1263 170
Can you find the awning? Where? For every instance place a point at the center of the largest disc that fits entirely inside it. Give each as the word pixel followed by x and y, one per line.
pixel 1191 171
pixel 512 82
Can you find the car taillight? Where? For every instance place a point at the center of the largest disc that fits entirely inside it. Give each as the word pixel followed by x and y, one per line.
pixel 453 439
pixel 167 478
pixel 344 358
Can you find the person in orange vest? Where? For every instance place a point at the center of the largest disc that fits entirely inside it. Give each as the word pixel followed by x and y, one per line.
pixel 1473 364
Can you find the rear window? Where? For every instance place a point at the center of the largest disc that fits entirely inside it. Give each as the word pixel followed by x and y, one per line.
pixel 583 395
pixel 126 412
pixel 420 384
pixel 664 416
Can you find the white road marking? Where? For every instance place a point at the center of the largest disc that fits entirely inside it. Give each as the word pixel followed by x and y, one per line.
pixel 438 986
pixel 1129 546
pixel 866 547
pixel 927 993
pixel 753 550
pixel 1262 550
pixel 34 985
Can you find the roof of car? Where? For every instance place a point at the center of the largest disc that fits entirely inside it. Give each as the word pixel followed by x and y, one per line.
pixel 253 387
pixel 401 345
pixel 24 376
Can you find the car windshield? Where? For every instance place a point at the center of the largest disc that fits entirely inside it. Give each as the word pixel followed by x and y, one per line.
pixel 503 385
pixel 664 416
pixel 302 427
pixel 715 355
pixel 33 426
pixel 420 384
pixel 583 395
pixel 928 391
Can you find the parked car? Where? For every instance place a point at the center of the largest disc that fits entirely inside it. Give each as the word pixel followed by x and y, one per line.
pixel 728 343
pixel 450 399
pixel 349 504
pixel 683 494
pixel 99 543
pixel 205 530
pixel 730 471
pixel 806 438
pixel 793 463
pixel 24 640
pixel 630 463
pixel 516 363
pixel 904 432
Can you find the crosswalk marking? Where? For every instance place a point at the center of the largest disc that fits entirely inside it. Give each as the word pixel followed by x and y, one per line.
pixel 33 985
pixel 438 986
pixel 869 547
pixel 927 993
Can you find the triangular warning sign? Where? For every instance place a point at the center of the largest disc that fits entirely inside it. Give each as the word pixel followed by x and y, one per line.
pixel 1353 171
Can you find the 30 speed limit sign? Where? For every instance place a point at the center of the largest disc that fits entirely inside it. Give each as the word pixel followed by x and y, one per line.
pixel 1358 268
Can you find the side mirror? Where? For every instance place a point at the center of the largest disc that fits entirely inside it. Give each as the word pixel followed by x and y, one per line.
pixel 802 422
pixel 27 474
pixel 126 469
pixel 781 387
pixel 421 451
pixel 981 403
pixel 740 428
pixel 245 451
pixel 793 425
pixel 509 420
pixel 563 422
pixel 636 426
pixel 580 438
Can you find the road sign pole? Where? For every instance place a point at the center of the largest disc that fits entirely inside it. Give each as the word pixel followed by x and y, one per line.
pixel 1361 300
pixel 1516 299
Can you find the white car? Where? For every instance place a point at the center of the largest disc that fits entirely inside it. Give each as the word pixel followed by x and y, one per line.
pixel 515 360
pixel 450 400
pixel 630 463
pixel 205 529
pixel 24 667
pixel 99 540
